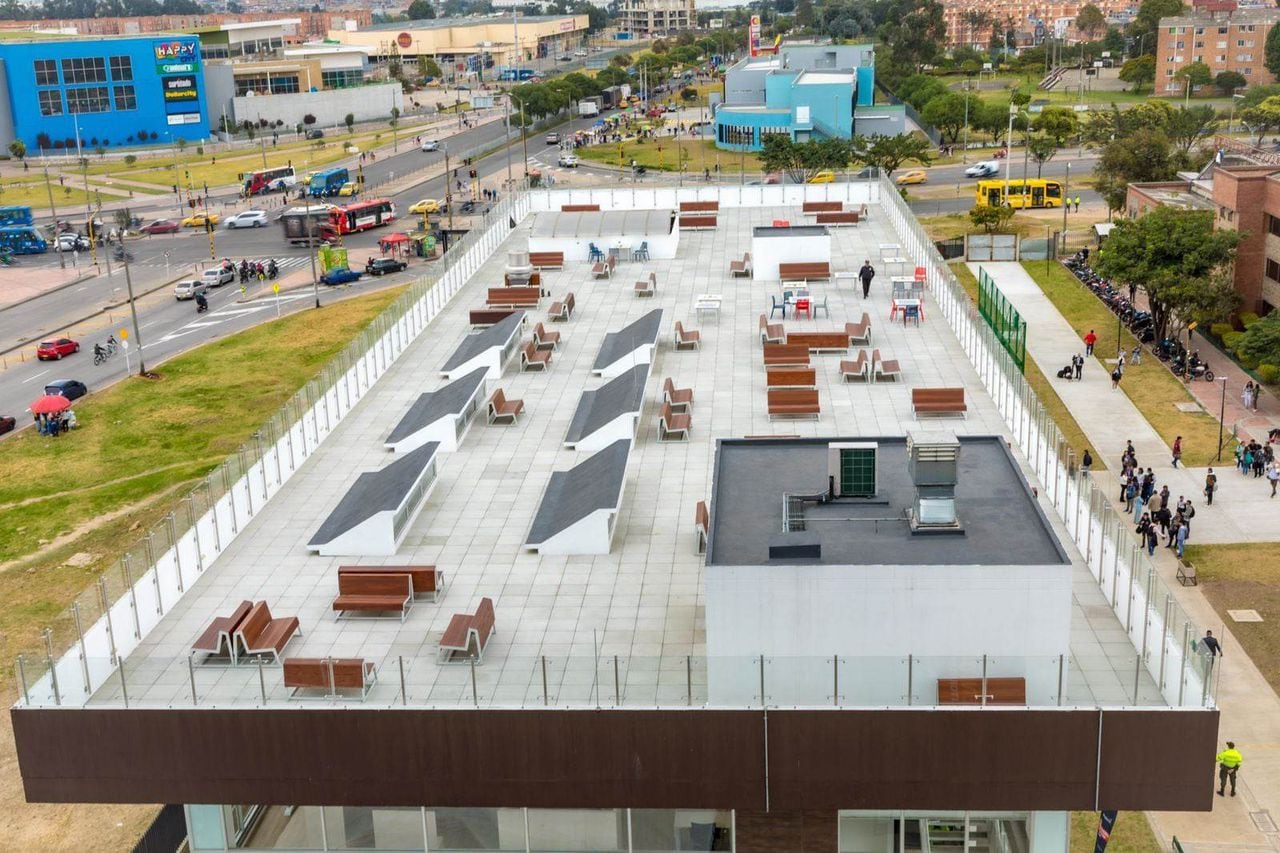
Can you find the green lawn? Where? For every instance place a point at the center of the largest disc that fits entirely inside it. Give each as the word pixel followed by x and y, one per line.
pixel 1150 386
pixel 1131 834
pixel 661 156
pixel 1245 577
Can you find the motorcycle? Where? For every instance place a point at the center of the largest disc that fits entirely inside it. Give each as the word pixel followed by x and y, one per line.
pixel 1197 370
pixel 202 304
pixel 272 270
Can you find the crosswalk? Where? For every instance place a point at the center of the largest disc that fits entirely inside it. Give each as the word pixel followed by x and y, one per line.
pixel 284 263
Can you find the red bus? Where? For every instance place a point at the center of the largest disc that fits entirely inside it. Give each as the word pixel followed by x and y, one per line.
pixel 362 215
pixel 268 180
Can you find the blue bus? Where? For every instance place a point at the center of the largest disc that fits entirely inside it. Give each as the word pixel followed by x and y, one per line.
pixel 512 75
pixel 328 182
pixel 16 216
pixel 22 240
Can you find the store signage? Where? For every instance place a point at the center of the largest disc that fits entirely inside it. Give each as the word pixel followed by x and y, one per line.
pixel 753 35
pixel 176 68
pixel 404 40
pixel 565 26
pixel 184 118
pixel 180 89
pixel 177 57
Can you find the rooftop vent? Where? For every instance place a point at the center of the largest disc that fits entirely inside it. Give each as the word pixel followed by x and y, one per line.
pixel 933 461
pixel 518 264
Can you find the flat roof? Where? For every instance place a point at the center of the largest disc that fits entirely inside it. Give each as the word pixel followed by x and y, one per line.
pixel 814 78
pixel 602 223
pixel 1001 522
pixel 446 23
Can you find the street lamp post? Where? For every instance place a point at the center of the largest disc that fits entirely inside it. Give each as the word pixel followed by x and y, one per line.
pixel 1231 120
pixel 1008 150
pixel 964 152
pixel 1066 194
pixel 507 142
pixel 311 248
pixel 133 309
pixel 1222 416
pixel 62 260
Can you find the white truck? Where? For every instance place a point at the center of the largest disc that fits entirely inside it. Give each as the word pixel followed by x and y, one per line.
pixel 588 107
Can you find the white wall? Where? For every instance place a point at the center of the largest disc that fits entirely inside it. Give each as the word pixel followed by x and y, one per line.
pixel 768 252
pixel 330 107
pixel 661 247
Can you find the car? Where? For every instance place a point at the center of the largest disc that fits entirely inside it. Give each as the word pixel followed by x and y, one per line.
pixel 569 161
pixel 7 424
pixel 68 242
pixel 580 52
pixel 218 276
pixel 200 220
pixel 469 207
pixel 983 169
pixel 427 205
pixel 56 348
pixel 315 133
pixel 72 389
pixel 340 275
pixel 349 188
pixel 190 288
pixel 383 266
pixel 824 176
pixel 564 57
pixel 161 226
pixel 672 108
pixel 914 176
pixel 553 139
pixel 247 219
pixel 429 145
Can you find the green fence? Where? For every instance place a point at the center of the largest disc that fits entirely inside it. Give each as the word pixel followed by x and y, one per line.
pixel 1003 318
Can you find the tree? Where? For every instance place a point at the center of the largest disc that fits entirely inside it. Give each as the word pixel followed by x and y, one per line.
pixel 1147 22
pixel 912 31
pixel 1057 123
pixel 421 10
pixel 1263 117
pixel 350 122
pixel 1188 126
pixel 920 89
pixel 1041 148
pixel 802 160
pixel 990 219
pixel 1229 81
pixel 1271 51
pixel 1091 21
pixel 611 75
pixel 1143 156
pixel 804 13
pixel 1139 71
pixel 308 119
pixel 947 114
pixel 18 149
pixel 1261 341
pixel 889 153
pixel 1179 259
pixel 1194 75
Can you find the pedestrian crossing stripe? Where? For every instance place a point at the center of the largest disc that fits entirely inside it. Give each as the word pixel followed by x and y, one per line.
pixel 283 263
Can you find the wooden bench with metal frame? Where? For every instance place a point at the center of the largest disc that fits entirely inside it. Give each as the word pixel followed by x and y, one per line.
pixel 513 297
pixel 561 310
pixel 771 333
pixel 427 580
pixel 546 260
pixel 982 691
pixel 687 338
pixel 859 333
pixel 799 402
pixel 938 401
pixel 838 218
pixel 532 358
pixel 218 640
pixel 793 355
pixel 742 268
pixel 805 271
pixel 702 525
pixel 882 369
pixel 502 409
pixel 331 674
pixel 859 368
pixel 468 634
pixel 260 636
pixel 673 426
pixel 373 593
pixel 791 377
pixel 677 398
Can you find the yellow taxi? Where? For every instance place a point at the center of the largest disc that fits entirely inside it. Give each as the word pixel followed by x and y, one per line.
pixel 427 205
pixel 349 188
pixel 200 220
pixel 914 176
pixel 826 176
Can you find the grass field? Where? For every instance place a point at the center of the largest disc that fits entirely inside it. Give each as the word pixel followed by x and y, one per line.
pixel 660 155
pixel 1150 386
pixel 35 195
pixel 1131 834
pixel 1245 576
pixel 1075 437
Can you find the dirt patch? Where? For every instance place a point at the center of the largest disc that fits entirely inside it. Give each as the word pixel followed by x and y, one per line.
pixel 80 559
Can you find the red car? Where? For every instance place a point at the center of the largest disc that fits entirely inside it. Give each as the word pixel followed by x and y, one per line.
pixel 161 226
pixel 56 348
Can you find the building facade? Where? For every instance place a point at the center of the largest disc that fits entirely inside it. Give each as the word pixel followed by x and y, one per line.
pixel 1221 36
pixel 81 94
pixel 310 24
pixel 970 23
pixel 656 17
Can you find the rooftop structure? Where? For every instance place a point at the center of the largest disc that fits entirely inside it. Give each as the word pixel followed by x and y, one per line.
pixel 476 42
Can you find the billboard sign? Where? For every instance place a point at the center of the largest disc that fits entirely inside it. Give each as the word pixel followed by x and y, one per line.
pixel 179 56
pixel 753 35
pixel 181 88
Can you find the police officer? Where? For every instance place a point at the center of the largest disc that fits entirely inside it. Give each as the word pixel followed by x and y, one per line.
pixel 1229 761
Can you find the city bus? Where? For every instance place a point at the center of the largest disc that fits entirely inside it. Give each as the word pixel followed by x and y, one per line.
pixel 1019 194
pixel 298 231
pixel 362 215
pixel 11 216
pixel 22 240
pixel 268 180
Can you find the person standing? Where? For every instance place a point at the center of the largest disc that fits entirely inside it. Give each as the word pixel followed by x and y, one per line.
pixel 1077 364
pixel 1210 486
pixel 865 275
pixel 1086 462
pixel 1089 340
pixel 1229 761
pixel 1273 475
pixel 1120 362
pixel 1177 450
pixel 1210 642
pixel 1184 530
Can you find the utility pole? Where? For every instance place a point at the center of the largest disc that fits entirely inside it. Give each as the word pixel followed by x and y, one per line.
pixel 964 152
pixel 62 260
pixel 1065 206
pixel 311 248
pixel 507 146
pixel 524 143
pixel 176 192
pixel 448 186
pixel 133 310
pixel 1008 150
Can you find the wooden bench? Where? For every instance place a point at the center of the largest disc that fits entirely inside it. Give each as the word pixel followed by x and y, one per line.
pixel 604 269
pixel 822 207
pixel 673 426
pixel 427 580
pixel 648 286
pixel 331 674
pixel 805 272
pixel 938 401
pixel 546 260
pixel 370 592
pixel 859 333
pixel 846 217
pixel 261 636
pixel 579 208
pixel 699 206
pixel 490 316
pixel 542 339
pixel 795 355
pixel 702 525
pixel 468 634
pixel 882 369
pixel 700 222
pixel 562 310
pixel 771 333
pixel 532 358
pixel 502 409
pixel 799 402
pixel 687 338
pixel 742 268
pixel 677 398
pixel 533 279
pixel 1187 574
pixel 859 368
pixel 514 297
pixel 791 377
pixel 217 640
pixel 968 691
pixel 820 341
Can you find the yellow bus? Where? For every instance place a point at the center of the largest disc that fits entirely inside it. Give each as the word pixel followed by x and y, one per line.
pixel 1019 194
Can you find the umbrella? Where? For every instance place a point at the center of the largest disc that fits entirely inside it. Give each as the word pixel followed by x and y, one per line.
pixel 392 239
pixel 49 404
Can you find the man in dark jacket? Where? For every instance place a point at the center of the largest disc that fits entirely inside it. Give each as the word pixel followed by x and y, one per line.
pixel 867 273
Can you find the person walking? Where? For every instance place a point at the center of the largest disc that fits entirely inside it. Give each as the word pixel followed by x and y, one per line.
pixel 865 275
pixel 1177 450
pixel 1229 761
pixel 1273 474
pixel 1086 462
pixel 1210 486
pixel 1089 340
pixel 1116 375
pixel 1210 642
pixel 1152 538
pixel 1120 362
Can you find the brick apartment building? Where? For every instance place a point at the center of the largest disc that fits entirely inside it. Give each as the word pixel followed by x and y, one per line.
pixel 1220 35
pixel 964 28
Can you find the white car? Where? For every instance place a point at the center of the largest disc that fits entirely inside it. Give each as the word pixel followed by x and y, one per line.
pixel 984 169
pixel 569 161
pixel 218 276
pixel 189 288
pixel 247 219
pixel 430 145
pixel 580 52
pixel 68 242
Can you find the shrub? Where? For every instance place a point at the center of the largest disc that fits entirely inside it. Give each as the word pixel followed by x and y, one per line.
pixel 1221 330
pixel 200 150
pixel 1231 340
pixel 1246 362
pixel 1248 318
pixel 130 159
pixel 1269 373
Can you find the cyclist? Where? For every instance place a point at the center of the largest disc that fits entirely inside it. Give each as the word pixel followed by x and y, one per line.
pixel 99 353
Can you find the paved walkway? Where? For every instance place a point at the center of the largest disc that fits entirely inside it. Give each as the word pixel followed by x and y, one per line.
pixel 1250 708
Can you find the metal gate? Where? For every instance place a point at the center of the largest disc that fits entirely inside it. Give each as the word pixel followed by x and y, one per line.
pixel 991 247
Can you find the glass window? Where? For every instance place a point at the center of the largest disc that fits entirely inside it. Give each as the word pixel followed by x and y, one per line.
pixel 46 72
pixel 121 69
pixel 91 69
pixel 204 827
pixel 1273 270
pixel 382 828
pixel 50 102
pixel 565 830
pixel 273 827
pixel 475 829
pixel 664 830
pixel 126 99
pixel 90 99
pixel 286 85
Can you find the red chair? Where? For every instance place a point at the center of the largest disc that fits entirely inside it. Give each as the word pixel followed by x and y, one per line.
pixel 803 306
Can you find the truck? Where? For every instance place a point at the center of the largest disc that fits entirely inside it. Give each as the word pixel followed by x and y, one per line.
pixel 612 97
pixel 328 182
pixel 297 230
pixel 589 107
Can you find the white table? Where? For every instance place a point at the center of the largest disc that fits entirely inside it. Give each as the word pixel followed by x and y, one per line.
pixel 708 303
pixel 622 251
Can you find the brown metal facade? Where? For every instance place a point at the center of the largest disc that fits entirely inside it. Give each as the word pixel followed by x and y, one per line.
pixel 750 760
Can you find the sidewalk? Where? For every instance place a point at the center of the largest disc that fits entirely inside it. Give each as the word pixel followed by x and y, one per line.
pixel 1250 708
pixel 29 282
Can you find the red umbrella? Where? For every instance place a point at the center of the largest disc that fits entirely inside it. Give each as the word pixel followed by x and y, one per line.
pixel 49 404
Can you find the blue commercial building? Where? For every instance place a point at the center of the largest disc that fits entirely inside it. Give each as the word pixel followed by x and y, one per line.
pixel 107 92
pixel 804 92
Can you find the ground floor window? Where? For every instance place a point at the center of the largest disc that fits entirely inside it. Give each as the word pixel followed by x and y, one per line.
pixel 733 134
pixel 342 79
pixel 989 832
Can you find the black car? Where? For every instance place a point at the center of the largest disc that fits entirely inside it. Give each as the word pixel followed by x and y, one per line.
pixel 72 389
pixel 382 266
pixel 469 207
pixel 315 133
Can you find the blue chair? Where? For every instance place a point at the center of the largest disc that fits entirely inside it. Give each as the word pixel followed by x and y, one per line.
pixel 594 253
pixel 778 307
pixel 642 254
pixel 911 312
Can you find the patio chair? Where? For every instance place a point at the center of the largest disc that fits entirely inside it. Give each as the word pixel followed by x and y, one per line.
pixel 594 253
pixel 777 307
pixel 820 305
pixel 642 253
